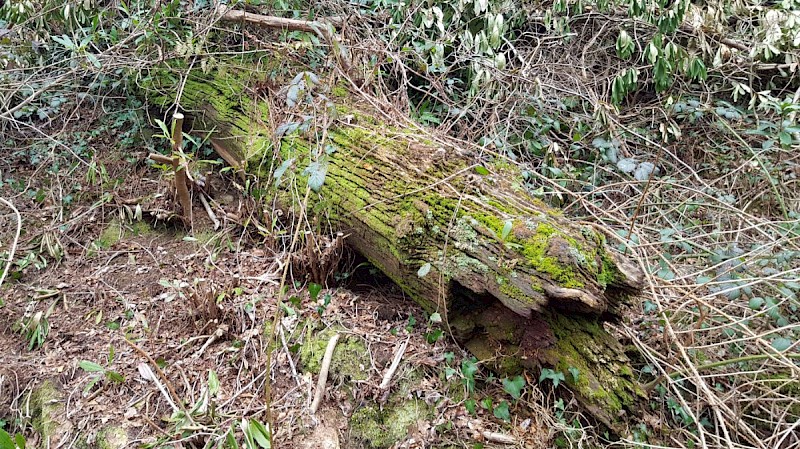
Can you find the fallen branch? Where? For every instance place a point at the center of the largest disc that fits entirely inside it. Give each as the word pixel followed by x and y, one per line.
pixel 387 378
pixel 145 373
pixel 209 211
pixel 323 373
pixel 322 29
pixel 499 438
pixel 13 246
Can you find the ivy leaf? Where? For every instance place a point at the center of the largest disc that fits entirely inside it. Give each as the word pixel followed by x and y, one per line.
pixel 316 172
pixel 575 373
pixel 781 344
pixel 514 386
pixel 643 171
pixel 501 411
pixel 281 170
pixel 424 270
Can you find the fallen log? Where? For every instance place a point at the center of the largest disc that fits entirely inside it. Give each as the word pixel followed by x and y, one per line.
pixel 515 281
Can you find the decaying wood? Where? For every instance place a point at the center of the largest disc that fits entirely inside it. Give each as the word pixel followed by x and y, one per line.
pixel 320 28
pixel 519 284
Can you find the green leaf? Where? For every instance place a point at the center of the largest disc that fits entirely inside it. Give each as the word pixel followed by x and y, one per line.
pixel 555 376
pixel 5 440
pixel 114 376
pixel 164 128
pixel 575 373
pixel 434 336
pixel 756 303
pixel 785 138
pixel 230 440
pixel 20 440
pixel 781 344
pixel 260 434
pixel 506 229
pixel 313 291
pixel 278 173
pixel 514 386
pixel 316 172
pixel 213 382
pixel 481 170
pixel 64 40
pixel 501 411
pixel 424 270
pixel 471 406
pixel 90 366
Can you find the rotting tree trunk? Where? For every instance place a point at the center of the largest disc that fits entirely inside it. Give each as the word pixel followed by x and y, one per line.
pixel 516 281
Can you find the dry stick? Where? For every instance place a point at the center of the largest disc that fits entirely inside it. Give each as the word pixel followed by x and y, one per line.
pixel 13 247
pixel 289 356
pixel 160 374
pixel 395 363
pixel 320 28
pixel 323 373
pixel 209 211
pixel 499 438
pixel 181 181
pixel 324 29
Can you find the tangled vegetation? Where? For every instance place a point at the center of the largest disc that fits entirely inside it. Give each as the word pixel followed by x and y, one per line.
pixel 674 124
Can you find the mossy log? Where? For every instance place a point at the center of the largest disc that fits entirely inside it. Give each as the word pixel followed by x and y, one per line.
pixel 515 280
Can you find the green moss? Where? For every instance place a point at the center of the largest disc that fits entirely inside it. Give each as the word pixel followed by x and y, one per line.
pixel 139 227
pixel 112 437
pixel 339 91
pixel 605 382
pixel 46 408
pixel 384 428
pixel 535 251
pixel 608 273
pixel 110 236
pixel 350 358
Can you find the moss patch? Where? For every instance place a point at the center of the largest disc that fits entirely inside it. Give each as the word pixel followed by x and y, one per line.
pixel 383 428
pixel 605 381
pixel 112 437
pixel 350 358
pixel 46 411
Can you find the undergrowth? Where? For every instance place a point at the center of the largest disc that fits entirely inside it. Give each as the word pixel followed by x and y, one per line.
pixel 671 124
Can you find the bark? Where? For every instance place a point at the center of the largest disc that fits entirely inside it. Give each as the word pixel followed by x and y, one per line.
pixel 516 282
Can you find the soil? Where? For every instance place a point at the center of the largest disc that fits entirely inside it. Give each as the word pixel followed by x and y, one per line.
pixel 144 315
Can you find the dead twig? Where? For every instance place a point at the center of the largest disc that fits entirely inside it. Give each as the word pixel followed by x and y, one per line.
pixel 387 378
pixel 323 373
pixel 172 393
pixel 14 243
pixel 209 211
pixel 499 438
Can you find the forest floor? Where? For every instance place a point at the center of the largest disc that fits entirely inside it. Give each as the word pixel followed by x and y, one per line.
pixel 121 329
